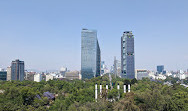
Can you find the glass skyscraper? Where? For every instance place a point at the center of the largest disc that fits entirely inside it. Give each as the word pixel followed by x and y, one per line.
pixel 17 70
pixel 127 55
pixel 3 75
pixel 160 69
pixel 90 54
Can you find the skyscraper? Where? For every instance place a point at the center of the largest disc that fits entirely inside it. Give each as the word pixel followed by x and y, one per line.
pixel 17 70
pixel 160 69
pixel 127 55
pixel 3 75
pixel 8 73
pixel 90 54
pixel 117 68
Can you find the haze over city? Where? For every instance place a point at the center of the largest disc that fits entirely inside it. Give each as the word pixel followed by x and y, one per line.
pixel 47 35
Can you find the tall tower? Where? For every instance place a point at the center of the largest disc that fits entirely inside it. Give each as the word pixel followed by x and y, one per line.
pixel 127 55
pixel 160 69
pixel 17 70
pixel 90 54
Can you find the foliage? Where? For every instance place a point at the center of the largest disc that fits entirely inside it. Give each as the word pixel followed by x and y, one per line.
pixel 78 95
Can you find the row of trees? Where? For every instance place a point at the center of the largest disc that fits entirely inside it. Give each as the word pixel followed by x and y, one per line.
pixel 78 95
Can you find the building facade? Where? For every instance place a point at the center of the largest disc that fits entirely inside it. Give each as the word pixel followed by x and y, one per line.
pixel 63 70
pixel 117 67
pixel 38 77
pixel 90 54
pixel 3 75
pixel 141 73
pixel 49 77
pixel 17 70
pixel 127 55
pixel 8 73
pixel 72 75
pixel 160 69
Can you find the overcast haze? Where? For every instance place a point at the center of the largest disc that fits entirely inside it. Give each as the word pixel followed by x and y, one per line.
pixel 46 34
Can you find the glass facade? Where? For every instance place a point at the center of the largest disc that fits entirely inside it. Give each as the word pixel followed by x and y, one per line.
pixel 17 70
pixel 160 69
pixel 90 54
pixel 3 75
pixel 127 55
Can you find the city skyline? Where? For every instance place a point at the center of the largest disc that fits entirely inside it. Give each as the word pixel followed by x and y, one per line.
pixel 46 35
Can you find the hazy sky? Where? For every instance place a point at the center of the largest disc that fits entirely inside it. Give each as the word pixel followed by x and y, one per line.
pixel 46 34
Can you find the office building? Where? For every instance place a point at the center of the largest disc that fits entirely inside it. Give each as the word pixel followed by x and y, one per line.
pixel 141 73
pixel 160 69
pixel 127 55
pixel 3 75
pixel 8 73
pixel 102 67
pixel 90 54
pixel 17 70
pixel 72 75
pixel 38 77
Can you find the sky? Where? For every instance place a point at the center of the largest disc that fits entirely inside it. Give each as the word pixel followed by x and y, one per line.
pixel 46 34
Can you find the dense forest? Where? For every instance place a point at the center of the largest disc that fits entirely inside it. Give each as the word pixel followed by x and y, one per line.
pixel 79 95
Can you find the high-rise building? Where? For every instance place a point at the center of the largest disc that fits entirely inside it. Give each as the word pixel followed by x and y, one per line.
pixel 102 67
pixel 117 67
pixel 17 70
pixel 127 55
pixel 160 69
pixel 90 54
pixel 8 73
pixel 3 75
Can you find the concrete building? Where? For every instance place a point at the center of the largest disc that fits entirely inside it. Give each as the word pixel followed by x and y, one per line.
pixel 90 54
pixel 117 67
pixel 3 75
pixel 49 77
pixel 160 69
pixel 37 77
pixel 72 75
pixel 17 70
pixel 63 70
pixel 141 73
pixel 29 75
pixel 127 55
pixel 8 73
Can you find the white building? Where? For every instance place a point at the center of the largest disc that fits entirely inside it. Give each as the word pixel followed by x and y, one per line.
pixel 160 76
pixel 152 74
pixel 182 76
pixel 63 70
pixel 49 77
pixel 37 77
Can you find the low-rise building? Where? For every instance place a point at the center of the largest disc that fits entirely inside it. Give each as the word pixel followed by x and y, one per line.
pixel 49 77
pixel 72 75
pixel 141 73
pixel 29 75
